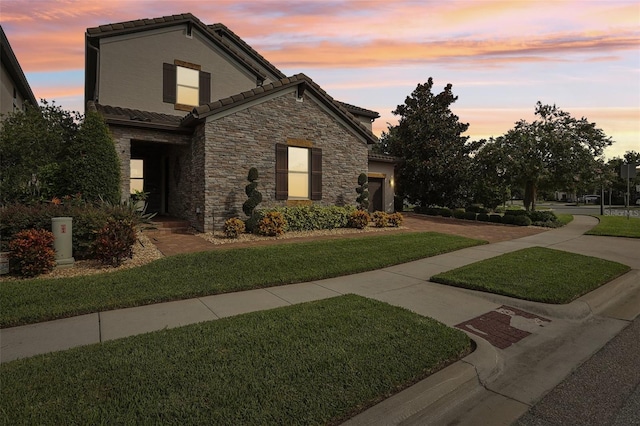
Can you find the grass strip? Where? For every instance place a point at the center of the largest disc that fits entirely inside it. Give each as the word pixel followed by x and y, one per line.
pixel 315 363
pixel 538 274
pixel 616 226
pixel 214 272
pixel 564 218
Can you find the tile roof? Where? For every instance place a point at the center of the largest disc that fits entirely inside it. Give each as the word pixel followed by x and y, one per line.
pixel 385 158
pixel 211 108
pixel 222 29
pixel 360 111
pixel 136 117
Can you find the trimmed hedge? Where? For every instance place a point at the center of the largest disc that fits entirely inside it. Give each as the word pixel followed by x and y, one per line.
pixel 515 213
pixel 495 218
pixel 458 213
pixel 310 218
pixel 483 217
pixel 469 216
pixel 522 220
pixel 508 219
pixel 445 212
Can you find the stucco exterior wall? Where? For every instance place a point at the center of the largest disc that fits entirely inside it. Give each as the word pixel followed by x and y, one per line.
pixel 130 72
pixel 6 93
pixel 247 138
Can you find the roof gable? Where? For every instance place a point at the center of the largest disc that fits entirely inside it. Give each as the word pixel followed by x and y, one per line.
pixel 140 25
pixel 302 82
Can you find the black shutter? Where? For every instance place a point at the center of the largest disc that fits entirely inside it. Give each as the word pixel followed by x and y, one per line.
pixel 316 173
pixel 205 87
pixel 282 172
pixel 169 83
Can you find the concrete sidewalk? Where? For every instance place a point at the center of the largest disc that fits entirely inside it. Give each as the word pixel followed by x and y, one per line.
pixel 499 381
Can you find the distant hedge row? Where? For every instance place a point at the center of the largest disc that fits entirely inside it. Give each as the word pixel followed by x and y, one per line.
pixel 511 217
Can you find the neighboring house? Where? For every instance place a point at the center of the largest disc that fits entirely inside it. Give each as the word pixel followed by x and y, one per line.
pixel 14 88
pixel 192 108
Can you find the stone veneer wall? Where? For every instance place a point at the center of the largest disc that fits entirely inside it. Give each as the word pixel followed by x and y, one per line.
pixel 247 138
pixel 175 144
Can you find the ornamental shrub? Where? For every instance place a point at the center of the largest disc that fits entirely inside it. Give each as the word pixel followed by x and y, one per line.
pixel 445 212
pixel 255 196
pixel 458 213
pixel 518 212
pixel 363 192
pixel 508 219
pixel 114 242
pixel 272 224
pixel 477 208
pixel 431 211
pixel 495 218
pixel 522 220
pixel 469 216
pixel 396 219
pixel 359 219
pixel 483 217
pixel 31 252
pixel 542 216
pixel 233 227
pixel 380 219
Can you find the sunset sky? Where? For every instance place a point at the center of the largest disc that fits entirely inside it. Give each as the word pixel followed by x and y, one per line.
pixel 500 56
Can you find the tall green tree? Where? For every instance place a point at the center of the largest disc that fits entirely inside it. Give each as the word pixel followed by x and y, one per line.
pixel 48 152
pixel 554 151
pixel 435 163
pixel 491 186
pixel 31 143
pixel 90 165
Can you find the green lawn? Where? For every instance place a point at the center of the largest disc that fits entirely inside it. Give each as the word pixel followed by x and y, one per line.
pixel 617 226
pixel 564 218
pixel 314 363
pixel 220 271
pixel 538 274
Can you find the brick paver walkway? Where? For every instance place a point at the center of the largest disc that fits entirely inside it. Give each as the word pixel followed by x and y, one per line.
pixel 172 244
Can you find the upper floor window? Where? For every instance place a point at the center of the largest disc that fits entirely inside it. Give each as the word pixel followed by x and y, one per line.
pixel 185 85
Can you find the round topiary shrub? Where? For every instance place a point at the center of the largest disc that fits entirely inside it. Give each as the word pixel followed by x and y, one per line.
pixel 522 221
pixel 469 216
pixel 495 218
pixel 272 224
pixel 31 252
pixel 380 219
pixel 508 219
pixel 359 219
pixel 233 227
pixel 396 219
pixel 483 217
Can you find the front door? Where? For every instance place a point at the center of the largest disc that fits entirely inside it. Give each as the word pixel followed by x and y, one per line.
pixel 376 186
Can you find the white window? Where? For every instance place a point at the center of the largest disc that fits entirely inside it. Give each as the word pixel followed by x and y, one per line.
pixel 136 183
pixel 187 90
pixel 299 177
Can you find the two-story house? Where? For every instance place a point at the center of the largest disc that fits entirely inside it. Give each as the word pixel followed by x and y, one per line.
pixel 14 88
pixel 192 108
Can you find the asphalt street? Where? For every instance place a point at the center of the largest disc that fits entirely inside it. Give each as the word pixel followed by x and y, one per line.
pixel 604 390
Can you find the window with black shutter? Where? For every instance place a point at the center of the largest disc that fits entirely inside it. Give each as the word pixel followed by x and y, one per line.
pixel 298 173
pixel 185 85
